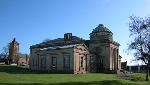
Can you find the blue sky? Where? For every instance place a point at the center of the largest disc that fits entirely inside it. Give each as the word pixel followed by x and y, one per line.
pixel 32 21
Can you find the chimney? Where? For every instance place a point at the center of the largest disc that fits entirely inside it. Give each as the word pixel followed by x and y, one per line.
pixel 68 36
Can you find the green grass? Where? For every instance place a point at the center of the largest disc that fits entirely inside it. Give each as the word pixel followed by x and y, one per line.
pixel 12 75
pixel 139 76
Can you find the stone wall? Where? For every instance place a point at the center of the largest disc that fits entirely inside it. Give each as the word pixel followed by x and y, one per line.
pixel 42 60
pixel 37 57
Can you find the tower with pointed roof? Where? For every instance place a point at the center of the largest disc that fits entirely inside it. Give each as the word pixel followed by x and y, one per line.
pixel 13 51
pixel 104 50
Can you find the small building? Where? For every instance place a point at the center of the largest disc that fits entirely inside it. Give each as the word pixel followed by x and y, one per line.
pixel 23 59
pixel 137 68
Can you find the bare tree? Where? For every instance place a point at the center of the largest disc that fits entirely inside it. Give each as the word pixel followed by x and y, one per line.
pixel 5 51
pixel 140 33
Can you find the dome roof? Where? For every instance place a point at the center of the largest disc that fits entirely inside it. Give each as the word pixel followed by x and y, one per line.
pixel 101 28
pixel 101 31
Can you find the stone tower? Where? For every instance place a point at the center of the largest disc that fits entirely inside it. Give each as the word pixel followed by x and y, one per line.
pixel 13 51
pixel 105 51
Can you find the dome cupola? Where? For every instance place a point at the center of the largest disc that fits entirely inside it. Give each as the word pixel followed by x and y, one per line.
pixel 101 33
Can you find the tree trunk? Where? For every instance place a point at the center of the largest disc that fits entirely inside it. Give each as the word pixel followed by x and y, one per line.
pixel 147 70
pixel 147 75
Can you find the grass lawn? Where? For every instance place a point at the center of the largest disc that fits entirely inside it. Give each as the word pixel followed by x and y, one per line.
pixel 12 75
pixel 139 76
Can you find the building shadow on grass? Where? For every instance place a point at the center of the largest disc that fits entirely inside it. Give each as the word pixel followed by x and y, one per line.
pixel 14 69
pixel 20 70
pixel 106 82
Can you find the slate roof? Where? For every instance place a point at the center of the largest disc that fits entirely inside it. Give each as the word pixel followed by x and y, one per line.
pixel 59 42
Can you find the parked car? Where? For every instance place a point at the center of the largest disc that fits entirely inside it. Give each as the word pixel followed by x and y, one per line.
pixel 13 64
pixel 24 64
pixel 2 63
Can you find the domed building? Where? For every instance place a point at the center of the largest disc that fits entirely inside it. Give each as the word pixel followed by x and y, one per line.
pixel 72 54
pixel 104 51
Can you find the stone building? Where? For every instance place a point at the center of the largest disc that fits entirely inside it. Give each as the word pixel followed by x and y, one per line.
pixel 23 59
pixel 13 51
pixel 66 59
pixel 15 56
pixel 67 55
pixel 72 54
pixel 104 50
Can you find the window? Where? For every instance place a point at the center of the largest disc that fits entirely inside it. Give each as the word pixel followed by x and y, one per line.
pixel 43 62
pixel 101 63
pixel 33 62
pixel 54 62
pixel 66 62
pixel 81 61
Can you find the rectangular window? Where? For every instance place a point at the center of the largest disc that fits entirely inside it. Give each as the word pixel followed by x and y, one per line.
pixel 54 62
pixel 66 62
pixel 81 61
pixel 43 62
pixel 33 62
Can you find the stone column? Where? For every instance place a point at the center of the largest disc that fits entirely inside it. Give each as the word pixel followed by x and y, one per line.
pixel 112 59
pixel 117 60
pixel 114 53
